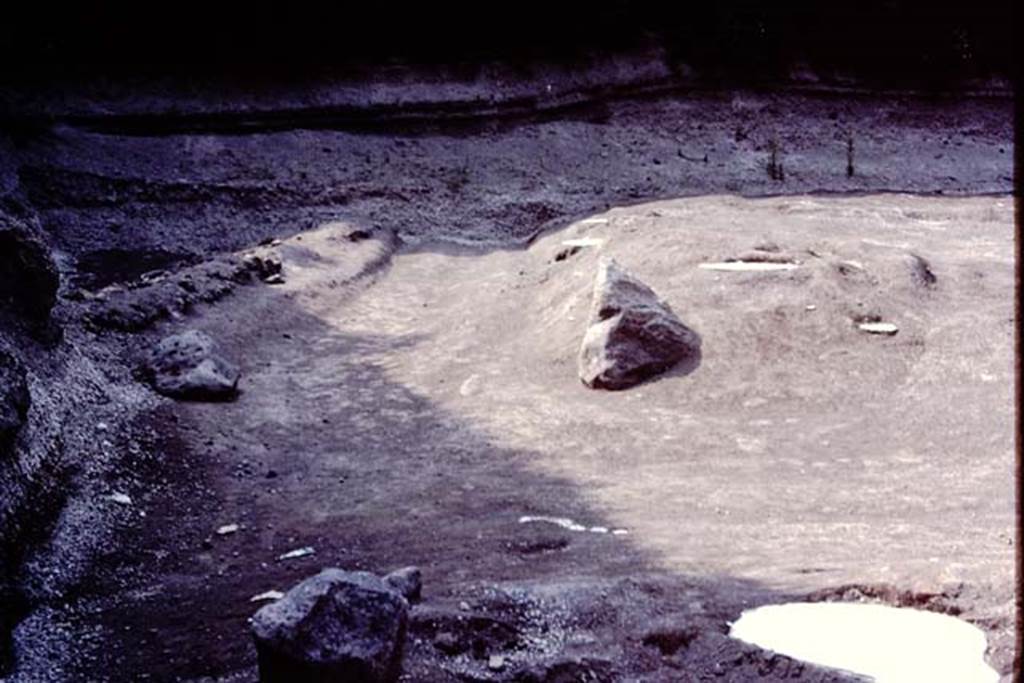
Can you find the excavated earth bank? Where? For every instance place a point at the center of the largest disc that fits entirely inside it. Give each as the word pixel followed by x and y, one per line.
pixel 409 392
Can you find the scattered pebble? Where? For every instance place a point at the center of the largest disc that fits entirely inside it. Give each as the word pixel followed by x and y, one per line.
pixel 120 498
pixel 227 529
pixel 298 552
pixel 810 307
pixel 464 606
pixel 268 595
pixel 496 663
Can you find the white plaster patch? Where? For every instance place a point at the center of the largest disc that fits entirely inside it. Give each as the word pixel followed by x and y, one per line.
pixel 889 644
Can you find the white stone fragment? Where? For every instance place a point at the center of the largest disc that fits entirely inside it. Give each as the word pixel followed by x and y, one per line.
pixel 584 242
pixel 298 552
pixel 748 266
pixel 268 595
pixel 879 328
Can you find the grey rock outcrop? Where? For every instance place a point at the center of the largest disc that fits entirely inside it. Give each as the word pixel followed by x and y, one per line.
pixel 134 306
pixel 188 366
pixel 28 276
pixel 632 334
pixel 14 399
pixel 337 627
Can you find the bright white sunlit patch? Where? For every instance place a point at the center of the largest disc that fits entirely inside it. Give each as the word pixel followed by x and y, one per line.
pixel 888 644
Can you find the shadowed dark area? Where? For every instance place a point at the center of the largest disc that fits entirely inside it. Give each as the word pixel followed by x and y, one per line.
pixel 908 42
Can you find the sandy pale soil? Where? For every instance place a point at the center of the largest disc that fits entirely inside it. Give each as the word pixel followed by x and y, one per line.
pixel 414 415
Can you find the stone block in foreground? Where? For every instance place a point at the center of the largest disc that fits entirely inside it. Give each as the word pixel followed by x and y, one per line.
pixel 335 627
pixel 189 366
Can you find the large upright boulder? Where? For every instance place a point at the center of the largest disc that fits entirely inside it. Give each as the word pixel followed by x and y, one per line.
pixel 14 399
pixel 28 277
pixel 189 366
pixel 632 334
pixel 335 627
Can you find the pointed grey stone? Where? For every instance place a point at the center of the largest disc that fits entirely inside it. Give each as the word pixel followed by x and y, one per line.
pixel 632 334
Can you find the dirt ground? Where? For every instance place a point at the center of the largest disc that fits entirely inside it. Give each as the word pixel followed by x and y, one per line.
pixel 408 398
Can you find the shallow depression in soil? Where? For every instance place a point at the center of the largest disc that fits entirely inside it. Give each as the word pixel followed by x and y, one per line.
pixel 887 644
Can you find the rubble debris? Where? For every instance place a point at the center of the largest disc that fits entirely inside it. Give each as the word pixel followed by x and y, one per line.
pixel 463 631
pixel 137 305
pixel 262 263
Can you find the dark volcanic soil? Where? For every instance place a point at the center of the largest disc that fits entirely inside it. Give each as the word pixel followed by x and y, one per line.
pixel 408 401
